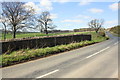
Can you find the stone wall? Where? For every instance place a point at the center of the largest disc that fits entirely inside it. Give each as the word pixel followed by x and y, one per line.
pixel 42 42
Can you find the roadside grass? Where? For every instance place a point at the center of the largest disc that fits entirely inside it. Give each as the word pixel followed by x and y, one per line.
pixel 118 35
pixel 24 55
pixel 24 35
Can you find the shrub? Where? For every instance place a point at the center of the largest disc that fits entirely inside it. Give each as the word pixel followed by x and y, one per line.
pixel 102 33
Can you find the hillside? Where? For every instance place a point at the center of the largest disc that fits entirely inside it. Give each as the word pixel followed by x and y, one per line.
pixel 116 30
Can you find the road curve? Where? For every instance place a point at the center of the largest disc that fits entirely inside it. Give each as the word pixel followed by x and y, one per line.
pixel 95 61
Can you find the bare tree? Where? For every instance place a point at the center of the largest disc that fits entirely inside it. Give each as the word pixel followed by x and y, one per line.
pixel 4 21
pixel 17 15
pixel 40 26
pixel 96 24
pixel 52 27
pixel 45 21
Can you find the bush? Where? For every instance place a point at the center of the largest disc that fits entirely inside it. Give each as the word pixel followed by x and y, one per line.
pixel 102 33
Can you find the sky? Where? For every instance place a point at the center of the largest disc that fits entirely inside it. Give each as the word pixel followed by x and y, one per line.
pixel 67 15
pixel 74 15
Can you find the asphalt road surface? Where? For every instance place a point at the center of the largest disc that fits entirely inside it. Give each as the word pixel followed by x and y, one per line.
pixel 95 61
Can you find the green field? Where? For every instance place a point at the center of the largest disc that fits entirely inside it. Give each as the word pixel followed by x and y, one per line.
pixel 24 35
pixel 24 55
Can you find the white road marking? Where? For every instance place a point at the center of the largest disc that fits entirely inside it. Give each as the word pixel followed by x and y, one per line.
pixel 48 74
pixel 97 52
pixel 115 43
pixel 81 60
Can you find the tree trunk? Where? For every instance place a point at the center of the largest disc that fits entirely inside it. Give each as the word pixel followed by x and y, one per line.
pixel 5 34
pixel 14 33
pixel 46 32
pixel 4 30
pixel 46 28
pixel 96 30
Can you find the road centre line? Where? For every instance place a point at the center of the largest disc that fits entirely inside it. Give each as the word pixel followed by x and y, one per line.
pixel 97 52
pixel 48 74
pixel 81 60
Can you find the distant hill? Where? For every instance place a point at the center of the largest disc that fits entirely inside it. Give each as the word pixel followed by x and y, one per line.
pixel 115 29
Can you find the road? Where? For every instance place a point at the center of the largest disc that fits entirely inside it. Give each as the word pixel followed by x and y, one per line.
pixel 95 61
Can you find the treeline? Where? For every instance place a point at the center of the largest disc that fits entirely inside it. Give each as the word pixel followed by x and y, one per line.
pixel 115 29
pixel 83 29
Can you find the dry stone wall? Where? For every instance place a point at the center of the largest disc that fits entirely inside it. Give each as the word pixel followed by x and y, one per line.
pixel 42 42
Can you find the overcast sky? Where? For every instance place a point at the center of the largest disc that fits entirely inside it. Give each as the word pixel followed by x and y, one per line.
pixel 69 15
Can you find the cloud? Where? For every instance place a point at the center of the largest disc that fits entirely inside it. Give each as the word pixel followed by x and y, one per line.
pixel 95 10
pixel 84 3
pixel 75 21
pixel 46 4
pixel 42 6
pixel 28 5
pixel 112 22
pixel 53 16
pixel 83 16
pixel 114 6
pixel 62 1
pixel 68 25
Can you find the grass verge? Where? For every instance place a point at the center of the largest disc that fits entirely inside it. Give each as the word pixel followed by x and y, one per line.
pixel 118 35
pixel 24 55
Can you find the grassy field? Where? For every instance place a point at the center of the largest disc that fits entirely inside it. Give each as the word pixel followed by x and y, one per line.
pixel 24 55
pixel 24 35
